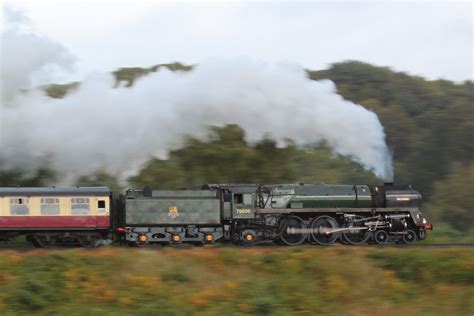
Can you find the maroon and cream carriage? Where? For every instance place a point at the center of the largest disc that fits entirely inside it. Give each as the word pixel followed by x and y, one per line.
pixel 53 216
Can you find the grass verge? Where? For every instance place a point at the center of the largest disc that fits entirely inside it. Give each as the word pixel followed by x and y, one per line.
pixel 215 280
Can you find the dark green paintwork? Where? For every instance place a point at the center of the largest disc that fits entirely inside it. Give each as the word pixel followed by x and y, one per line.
pixel 173 208
pixel 321 195
pixel 244 209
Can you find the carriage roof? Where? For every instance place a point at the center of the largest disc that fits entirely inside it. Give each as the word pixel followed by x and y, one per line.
pixel 56 191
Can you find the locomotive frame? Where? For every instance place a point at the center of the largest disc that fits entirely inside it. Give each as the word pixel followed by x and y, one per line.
pixel 248 216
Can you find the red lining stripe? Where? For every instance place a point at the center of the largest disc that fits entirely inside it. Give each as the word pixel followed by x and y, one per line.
pixel 18 222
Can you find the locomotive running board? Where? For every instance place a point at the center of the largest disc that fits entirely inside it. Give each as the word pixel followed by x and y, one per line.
pixel 321 231
pixel 333 210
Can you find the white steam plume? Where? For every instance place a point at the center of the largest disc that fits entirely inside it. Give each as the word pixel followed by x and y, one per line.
pixel 99 127
pixel 116 129
pixel 26 59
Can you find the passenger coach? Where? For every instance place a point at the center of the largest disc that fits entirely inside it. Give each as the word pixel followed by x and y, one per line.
pixel 54 216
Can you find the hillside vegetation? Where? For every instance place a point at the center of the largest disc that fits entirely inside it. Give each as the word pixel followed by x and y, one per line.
pixel 238 281
pixel 429 127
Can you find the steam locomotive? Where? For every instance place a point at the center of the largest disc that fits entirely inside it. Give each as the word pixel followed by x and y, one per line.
pixel 244 214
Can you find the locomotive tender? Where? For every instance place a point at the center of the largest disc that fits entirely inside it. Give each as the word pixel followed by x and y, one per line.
pixel 246 214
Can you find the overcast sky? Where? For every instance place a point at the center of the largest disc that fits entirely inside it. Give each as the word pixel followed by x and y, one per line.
pixel 431 39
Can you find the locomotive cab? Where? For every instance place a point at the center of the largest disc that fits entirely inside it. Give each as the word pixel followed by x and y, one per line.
pixel 243 205
pixel 239 200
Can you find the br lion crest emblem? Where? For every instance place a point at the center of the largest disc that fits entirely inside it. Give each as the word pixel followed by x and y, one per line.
pixel 173 212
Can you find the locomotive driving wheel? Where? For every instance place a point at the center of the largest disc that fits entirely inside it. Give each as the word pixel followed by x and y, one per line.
pixel 321 228
pixel 357 233
pixel 291 233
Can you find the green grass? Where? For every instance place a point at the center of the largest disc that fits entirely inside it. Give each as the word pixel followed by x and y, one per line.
pixel 443 233
pixel 233 281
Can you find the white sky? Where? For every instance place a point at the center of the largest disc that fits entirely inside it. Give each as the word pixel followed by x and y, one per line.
pixel 431 39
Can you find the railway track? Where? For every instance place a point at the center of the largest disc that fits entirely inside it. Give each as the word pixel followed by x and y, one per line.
pixel 25 248
pixel 462 245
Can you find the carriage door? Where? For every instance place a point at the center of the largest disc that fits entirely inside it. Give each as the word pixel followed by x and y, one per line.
pixel 102 219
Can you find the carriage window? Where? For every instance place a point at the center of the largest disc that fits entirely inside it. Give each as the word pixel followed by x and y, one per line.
pixel 19 206
pixel 80 206
pixel 49 206
pixel 101 206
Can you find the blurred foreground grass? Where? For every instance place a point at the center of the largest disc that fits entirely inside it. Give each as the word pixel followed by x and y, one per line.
pixel 229 280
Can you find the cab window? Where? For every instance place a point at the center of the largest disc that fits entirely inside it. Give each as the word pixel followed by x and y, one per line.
pixel 247 199
pixel 19 206
pixel 80 206
pixel 238 198
pixel 49 206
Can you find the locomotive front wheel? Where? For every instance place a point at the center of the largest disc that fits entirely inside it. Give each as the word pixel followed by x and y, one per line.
pixel 409 237
pixel 321 230
pixel 356 236
pixel 380 237
pixel 289 231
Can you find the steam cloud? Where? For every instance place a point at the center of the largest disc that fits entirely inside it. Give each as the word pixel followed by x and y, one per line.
pixel 99 127
pixel 26 58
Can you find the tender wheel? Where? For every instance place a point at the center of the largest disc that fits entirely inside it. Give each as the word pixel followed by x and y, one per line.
pixel 409 237
pixel 289 234
pixel 380 237
pixel 137 244
pixel 249 237
pixel 356 236
pixel 320 230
